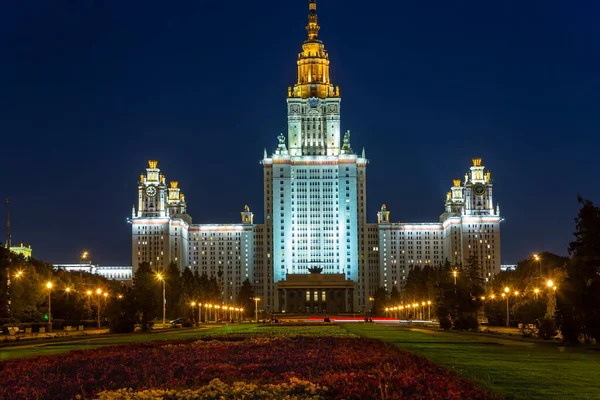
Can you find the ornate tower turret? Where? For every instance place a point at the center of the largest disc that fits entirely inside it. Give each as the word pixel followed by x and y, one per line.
pixel 455 200
pixel 313 102
pixel 478 190
pixel 152 192
pixel 176 200
pixel 247 216
pixel 383 216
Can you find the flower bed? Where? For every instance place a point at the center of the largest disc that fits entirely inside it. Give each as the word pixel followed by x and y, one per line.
pixel 335 367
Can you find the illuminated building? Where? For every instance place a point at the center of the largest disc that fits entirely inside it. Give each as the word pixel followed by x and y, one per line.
pixel 162 232
pixel 122 273
pixel 469 228
pixel 23 250
pixel 314 186
pixel 314 216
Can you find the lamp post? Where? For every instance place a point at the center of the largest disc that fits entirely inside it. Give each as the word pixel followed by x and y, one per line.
pixel 49 286
pixel 539 260
pixel 429 310
pixel 507 290
pixel 455 274
pixel 99 293
pixel 160 277
pixel 199 310
pixel 256 300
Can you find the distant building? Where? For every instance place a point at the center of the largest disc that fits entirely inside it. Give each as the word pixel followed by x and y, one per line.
pixel 121 273
pixel 24 250
pixel 508 267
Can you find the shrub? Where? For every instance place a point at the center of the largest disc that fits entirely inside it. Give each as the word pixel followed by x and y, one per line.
pixel 445 323
pixel 468 323
pixel 58 324
pixel 9 321
pixel 547 328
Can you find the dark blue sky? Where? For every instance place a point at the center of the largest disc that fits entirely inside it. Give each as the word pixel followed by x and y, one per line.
pixel 90 90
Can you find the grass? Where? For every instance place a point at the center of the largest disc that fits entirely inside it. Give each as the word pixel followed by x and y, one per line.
pixel 45 348
pixel 512 369
pixel 49 347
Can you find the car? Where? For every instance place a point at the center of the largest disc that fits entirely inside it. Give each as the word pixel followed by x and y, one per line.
pixel 185 322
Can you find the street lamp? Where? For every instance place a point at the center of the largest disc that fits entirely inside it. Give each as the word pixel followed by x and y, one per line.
pixel 539 260
pixel 99 293
pixel 18 274
pixel 455 274
pixel 507 290
pixel 256 300
pixel 199 311
pixel 536 291
pixel 49 286
pixel 160 278
pixel 550 283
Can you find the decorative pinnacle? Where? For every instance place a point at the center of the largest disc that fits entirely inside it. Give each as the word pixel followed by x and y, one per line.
pixel 313 23
pixel 477 162
pixel 153 164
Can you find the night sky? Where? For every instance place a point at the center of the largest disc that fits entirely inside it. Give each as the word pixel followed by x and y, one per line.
pixel 90 90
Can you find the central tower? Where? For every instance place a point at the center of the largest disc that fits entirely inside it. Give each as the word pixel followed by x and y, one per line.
pixel 314 184
pixel 313 102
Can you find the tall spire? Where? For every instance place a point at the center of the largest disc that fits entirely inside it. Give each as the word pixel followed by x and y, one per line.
pixel 8 238
pixel 313 23
pixel 313 64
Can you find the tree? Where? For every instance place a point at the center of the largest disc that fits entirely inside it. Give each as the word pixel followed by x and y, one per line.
pixel 245 298
pixel 395 297
pixel 144 293
pixel 526 278
pixel 578 302
pixel 380 302
pixel 173 290
pixel 121 311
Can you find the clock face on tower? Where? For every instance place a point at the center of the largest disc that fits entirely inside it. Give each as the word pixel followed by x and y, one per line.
pixel 479 189
pixel 151 191
pixel 313 102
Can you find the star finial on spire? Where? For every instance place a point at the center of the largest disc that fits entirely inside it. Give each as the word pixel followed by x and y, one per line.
pixel 313 24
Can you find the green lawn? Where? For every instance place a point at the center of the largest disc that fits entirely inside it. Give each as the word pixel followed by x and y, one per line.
pixel 45 348
pixel 513 369
pixel 57 346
